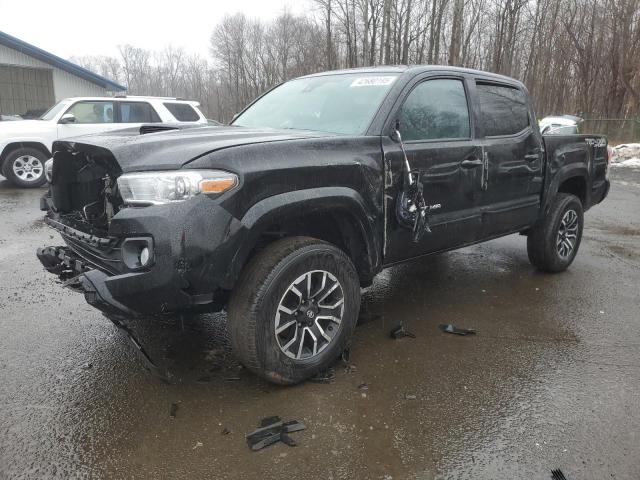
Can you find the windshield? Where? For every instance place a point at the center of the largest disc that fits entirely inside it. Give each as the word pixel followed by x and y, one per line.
pixel 53 111
pixel 343 104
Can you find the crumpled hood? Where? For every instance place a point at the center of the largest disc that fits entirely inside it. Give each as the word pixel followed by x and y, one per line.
pixel 172 149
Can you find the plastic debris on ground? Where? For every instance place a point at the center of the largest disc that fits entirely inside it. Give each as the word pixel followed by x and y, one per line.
pixel 272 430
pixel 450 328
pixel 401 332
pixel 173 410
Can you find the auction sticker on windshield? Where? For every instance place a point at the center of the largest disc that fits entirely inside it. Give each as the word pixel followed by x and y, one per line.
pixel 372 81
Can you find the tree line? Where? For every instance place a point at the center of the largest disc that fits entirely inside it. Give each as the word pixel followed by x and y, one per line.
pixel 573 55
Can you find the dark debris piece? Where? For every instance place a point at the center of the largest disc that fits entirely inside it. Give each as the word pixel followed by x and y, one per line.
pixel 268 421
pixel 173 410
pixel 325 376
pixel 401 332
pixel 363 386
pixel 346 355
pixel 273 430
pixel 450 328
pixel 557 474
pixel 225 431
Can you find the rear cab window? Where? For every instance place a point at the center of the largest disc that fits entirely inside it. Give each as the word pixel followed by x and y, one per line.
pixel 503 109
pixel 183 112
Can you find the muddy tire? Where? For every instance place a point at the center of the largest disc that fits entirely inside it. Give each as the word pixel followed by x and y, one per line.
pixel 24 167
pixel 554 243
pixel 294 309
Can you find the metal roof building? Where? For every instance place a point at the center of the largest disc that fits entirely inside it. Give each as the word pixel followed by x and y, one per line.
pixel 32 79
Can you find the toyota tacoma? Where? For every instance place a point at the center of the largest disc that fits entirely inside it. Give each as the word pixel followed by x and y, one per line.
pixel 281 217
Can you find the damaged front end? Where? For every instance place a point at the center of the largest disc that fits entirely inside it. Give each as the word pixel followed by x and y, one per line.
pixel 129 260
pixel 81 202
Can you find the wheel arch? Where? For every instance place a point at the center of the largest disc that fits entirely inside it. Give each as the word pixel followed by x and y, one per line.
pixel 10 147
pixel 572 179
pixel 334 214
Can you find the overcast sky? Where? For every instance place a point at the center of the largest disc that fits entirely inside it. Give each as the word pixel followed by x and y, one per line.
pixel 88 27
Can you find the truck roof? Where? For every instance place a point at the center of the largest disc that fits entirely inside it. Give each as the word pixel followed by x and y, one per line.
pixel 416 69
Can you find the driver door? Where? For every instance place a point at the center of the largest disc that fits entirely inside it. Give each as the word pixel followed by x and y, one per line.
pixel 437 131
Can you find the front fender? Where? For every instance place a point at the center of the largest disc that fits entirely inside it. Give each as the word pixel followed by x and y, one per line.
pixel 325 199
pixel 6 144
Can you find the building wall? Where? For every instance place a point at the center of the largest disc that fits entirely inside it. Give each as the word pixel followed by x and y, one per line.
pixel 64 84
pixel 25 89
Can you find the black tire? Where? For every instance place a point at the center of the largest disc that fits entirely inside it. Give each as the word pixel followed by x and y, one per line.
pixel 544 239
pixel 18 155
pixel 257 298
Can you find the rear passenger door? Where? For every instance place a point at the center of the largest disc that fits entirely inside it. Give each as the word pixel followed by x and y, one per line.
pixel 512 150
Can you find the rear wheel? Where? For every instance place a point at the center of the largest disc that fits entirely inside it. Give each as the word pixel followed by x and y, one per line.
pixel 553 244
pixel 24 167
pixel 294 310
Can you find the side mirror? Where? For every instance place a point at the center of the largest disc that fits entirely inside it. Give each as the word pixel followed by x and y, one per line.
pixel 68 118
pixel 395 134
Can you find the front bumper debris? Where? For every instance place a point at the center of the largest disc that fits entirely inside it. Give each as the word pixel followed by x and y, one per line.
pixel 191 248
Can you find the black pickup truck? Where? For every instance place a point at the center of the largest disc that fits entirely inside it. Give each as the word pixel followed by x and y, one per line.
pixel 281 217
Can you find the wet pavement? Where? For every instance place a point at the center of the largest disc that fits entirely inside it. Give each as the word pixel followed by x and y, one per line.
pixel 551 380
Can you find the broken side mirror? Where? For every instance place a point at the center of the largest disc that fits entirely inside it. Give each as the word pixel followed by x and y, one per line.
pixel 411 208
pixel 68 118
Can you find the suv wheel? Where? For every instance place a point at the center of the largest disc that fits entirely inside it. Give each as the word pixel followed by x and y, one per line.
pixel 294 309
pixel 24 167
pixel 553 245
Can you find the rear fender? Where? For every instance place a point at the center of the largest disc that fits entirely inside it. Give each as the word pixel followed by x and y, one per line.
pixel 566 172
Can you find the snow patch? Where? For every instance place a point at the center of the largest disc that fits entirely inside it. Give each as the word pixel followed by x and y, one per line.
pixel 626 155
pixel 626 151
pixel 629 163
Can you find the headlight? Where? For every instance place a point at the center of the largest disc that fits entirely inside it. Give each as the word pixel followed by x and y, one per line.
pixel 154 188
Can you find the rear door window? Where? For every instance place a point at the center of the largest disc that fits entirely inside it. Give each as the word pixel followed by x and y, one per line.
pixel 436 110
pixel 503 109
pixel 183 112
pixel 137 112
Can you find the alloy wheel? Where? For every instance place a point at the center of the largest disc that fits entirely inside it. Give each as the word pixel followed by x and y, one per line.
pixel 567 234
pixel 28 168
pixel 309 314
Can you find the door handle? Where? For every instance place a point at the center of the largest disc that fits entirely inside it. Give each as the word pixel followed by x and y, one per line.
pixel 471 162
pixel 532 157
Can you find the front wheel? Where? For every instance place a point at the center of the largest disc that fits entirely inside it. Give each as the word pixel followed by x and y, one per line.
pixel 294 309
pixel 24 167
pixel 554 243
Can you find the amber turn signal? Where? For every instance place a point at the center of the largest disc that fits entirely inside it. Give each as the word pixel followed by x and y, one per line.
pixel 217 185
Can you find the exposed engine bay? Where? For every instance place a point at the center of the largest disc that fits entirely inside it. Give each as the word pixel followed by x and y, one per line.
pixel 84 190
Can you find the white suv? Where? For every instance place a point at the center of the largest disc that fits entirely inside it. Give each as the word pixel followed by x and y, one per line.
pixel 26 145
